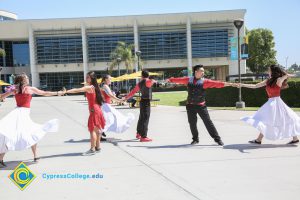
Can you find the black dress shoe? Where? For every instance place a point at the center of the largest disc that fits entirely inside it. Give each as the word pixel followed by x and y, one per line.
pixel 293 142
pixel 195 142
pixel 254 142
pixel 2 164
pixel 103 135
pixel 220 143
pixel 97 150
pixel 103 139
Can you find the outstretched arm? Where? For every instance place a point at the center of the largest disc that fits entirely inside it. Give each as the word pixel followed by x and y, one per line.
pixel 34 90
pixel 6 94
pixel 135 90
pixel 107 90
pixel 80 90
pixel 254 86
pixel 181 80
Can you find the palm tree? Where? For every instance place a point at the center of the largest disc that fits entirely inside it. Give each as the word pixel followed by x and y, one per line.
pixel 2 52
pixel 123 53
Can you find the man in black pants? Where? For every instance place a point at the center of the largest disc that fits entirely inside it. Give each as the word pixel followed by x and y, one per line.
pixel 196 85
pixel 145 86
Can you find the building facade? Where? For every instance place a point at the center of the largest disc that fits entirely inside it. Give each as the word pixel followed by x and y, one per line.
pixel 58 52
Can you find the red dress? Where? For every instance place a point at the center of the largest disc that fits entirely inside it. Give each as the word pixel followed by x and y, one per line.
pixel 23 100
pixel 96 118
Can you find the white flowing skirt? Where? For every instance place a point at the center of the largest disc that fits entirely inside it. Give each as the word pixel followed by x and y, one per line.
pixel 114 120
pixel 275 120
pixel 19 132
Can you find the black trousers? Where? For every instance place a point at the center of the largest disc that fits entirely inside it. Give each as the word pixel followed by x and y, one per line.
pixel 145 110
pixel 192 111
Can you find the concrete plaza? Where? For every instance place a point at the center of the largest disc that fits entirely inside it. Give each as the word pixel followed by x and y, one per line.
pixel 166 169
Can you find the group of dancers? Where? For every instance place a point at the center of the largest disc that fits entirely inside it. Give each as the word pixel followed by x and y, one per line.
pixel 274 120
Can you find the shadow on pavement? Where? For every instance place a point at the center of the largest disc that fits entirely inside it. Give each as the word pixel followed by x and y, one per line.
pixel 242 147
pixel 175 146
pixel 11 165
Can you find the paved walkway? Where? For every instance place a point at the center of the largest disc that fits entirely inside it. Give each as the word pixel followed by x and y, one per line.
pixel 166 169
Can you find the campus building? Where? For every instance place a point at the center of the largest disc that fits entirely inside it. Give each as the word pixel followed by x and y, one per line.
pixel 58 52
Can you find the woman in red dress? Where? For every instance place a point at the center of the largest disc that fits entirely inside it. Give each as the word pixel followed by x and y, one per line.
pixel 96 121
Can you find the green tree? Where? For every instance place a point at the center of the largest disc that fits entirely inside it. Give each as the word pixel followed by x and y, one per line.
pixel 261 50
pixel 125 52
pixel 294 67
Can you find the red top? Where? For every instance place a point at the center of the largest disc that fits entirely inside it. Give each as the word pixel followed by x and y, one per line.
pixel 106 97
pixel 207 83
pixel 23 100
pixel 96 118
pixel 149 84
pixel 273 91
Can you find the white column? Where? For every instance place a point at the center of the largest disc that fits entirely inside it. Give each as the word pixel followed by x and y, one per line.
pixel 189 46
pixel 35 78
pixel 84 50
pixel 136 42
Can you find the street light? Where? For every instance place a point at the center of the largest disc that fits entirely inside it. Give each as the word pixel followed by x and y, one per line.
pixel 238 23
pixel 138 54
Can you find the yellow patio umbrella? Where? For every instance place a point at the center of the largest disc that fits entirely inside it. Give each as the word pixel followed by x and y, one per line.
pixel 139 74
pixel 3 83
pixel 136 75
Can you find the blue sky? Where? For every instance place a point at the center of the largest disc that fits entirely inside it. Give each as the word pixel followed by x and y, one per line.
pixel 282 17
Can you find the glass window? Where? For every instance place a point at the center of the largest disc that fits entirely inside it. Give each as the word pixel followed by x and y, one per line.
pixel 59 49
pixel 20 54
pixel 101 46
pixel 56 81
pixel 163 45
pixel 209 43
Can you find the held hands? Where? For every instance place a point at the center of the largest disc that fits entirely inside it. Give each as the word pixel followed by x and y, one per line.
pixel 62 92
pixel 237 85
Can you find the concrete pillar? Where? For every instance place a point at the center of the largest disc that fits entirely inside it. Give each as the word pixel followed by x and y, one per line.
pixel 84 50
pixel 136 42
pixel 189 45
pixel 35 78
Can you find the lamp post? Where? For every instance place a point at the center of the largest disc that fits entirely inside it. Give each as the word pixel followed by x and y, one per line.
pixel 119 73
pixel 138 54
pixel 238 23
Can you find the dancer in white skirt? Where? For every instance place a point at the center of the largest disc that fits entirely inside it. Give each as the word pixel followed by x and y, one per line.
pixel 17 130
pixel 275 120
pixel 115 121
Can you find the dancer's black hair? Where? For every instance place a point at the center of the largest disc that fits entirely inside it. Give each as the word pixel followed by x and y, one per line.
pixel 104 78
pixel 99 98
pixel 145 74
pixel 196 67
pixel 20 81
pixel 276 72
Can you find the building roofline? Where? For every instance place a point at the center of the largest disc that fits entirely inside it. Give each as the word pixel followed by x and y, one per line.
pixel 9 14
pixel 138 15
